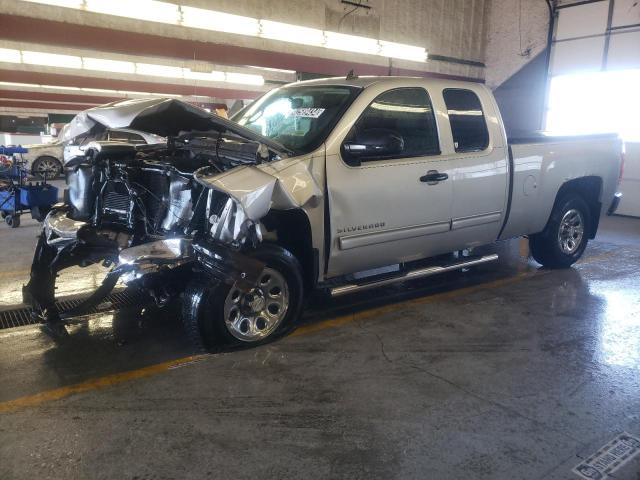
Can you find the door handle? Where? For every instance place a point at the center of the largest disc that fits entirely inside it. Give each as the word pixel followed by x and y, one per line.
pixel 433 177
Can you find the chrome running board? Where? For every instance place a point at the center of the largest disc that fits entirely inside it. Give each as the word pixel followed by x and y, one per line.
pixel 412 274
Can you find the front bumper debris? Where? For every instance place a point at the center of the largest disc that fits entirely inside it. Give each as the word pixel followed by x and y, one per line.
pixel 65 242
pixel 615 203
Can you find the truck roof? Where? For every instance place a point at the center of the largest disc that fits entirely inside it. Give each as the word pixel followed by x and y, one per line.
pixel 366 81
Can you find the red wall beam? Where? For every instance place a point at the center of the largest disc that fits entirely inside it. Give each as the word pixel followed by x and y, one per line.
pixel 57 79
pixel 44 105
pixel 25 29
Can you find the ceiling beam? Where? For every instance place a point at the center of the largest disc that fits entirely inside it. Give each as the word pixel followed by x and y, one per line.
pixel 65 80
pixel 25 29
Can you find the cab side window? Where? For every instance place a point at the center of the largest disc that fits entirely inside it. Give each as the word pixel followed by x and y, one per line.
pixel 468 124
pixel 399 123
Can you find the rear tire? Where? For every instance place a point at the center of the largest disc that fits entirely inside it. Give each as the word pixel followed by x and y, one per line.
pixel 564 239
pixel 216 314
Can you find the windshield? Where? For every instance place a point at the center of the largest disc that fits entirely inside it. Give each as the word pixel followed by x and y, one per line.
pixel 298 117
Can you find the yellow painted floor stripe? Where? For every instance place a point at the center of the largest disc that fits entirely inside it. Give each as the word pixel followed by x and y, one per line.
pixel 94 384
pixel 117 378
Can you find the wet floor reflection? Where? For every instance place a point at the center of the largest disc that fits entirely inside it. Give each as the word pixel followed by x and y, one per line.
pixel 580 308
pixel 619 327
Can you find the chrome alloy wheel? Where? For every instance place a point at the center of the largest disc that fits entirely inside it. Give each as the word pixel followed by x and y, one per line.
pixel 571 231
pixel 47 166
pixel 253 315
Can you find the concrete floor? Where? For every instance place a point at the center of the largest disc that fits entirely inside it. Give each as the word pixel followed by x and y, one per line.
pixel 507 371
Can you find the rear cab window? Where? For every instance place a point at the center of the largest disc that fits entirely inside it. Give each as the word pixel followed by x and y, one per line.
pixel 468 124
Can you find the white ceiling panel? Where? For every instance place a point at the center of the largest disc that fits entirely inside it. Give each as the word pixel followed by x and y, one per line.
pixel 626 12
pixel 582 20
pixel 573 56
pixel 624 51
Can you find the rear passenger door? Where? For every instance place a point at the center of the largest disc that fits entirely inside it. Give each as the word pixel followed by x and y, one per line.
pixel 392 204
pixel 479 177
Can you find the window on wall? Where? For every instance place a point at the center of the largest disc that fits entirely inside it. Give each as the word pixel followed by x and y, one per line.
pixel 596 102
pixel 468 125
pixel 405 114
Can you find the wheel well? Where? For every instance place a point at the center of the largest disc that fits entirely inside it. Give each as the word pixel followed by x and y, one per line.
pixel 293 232
pixel 590 189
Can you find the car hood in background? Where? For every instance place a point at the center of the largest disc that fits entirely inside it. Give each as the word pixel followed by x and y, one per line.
pixel 166 117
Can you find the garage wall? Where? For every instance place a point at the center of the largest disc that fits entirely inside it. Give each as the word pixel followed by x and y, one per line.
pixel 516 39
pixel 516 34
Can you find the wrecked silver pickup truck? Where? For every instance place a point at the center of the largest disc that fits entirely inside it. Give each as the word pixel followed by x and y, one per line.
pixel 342 184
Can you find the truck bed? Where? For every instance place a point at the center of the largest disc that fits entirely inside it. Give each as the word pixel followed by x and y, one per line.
pixel 539 165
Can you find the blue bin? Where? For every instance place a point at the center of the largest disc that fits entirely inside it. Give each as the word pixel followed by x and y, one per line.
pixel 7 201
pixel 38 196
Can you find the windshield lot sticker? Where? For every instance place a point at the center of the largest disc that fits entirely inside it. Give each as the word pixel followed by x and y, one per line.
pixel 609 458
pixel 307 112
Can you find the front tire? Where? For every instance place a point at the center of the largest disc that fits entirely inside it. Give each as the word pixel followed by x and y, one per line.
pixel 564 239
pixel 215 314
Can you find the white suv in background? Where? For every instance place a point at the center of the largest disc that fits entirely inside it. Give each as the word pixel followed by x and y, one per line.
pixel 76 147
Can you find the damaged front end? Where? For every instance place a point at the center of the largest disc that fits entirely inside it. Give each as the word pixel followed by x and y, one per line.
pixel 147 214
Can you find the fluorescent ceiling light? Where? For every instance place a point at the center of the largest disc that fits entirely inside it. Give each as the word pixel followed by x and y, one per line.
pixel 352 43
pixel 60 3
pixel 154 70
pixel 51 59
pixel 103 65
pixel 291 33
pixel 99 90
pixel 171 13
pixel 9 55
pixel 400 50
pixel 244 78
pixel 117 66
pixel 16 84
pixel 57 87
pixel 219 21
pixel 128 92
pixel 149 10
pixel 212 76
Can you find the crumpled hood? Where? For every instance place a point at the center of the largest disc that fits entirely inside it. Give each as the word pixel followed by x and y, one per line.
pixel 166 117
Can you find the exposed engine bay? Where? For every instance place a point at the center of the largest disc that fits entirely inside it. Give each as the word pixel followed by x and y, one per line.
pixel 148 210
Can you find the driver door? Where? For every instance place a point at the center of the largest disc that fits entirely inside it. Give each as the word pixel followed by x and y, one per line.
pixel 390 192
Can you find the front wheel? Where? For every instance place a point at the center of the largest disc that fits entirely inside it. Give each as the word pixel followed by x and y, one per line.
pixel 217 314
pixel 566 235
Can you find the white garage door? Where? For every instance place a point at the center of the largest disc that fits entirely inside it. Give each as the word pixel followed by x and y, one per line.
pixel 595 78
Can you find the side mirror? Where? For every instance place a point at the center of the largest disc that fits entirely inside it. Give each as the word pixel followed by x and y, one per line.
pixel 372 143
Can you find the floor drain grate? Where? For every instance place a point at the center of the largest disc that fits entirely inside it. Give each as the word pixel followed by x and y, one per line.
pixel 19 317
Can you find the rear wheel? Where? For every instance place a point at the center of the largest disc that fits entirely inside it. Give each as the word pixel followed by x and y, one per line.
pixel 46 167
pixel 217 314
pixel 566 235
